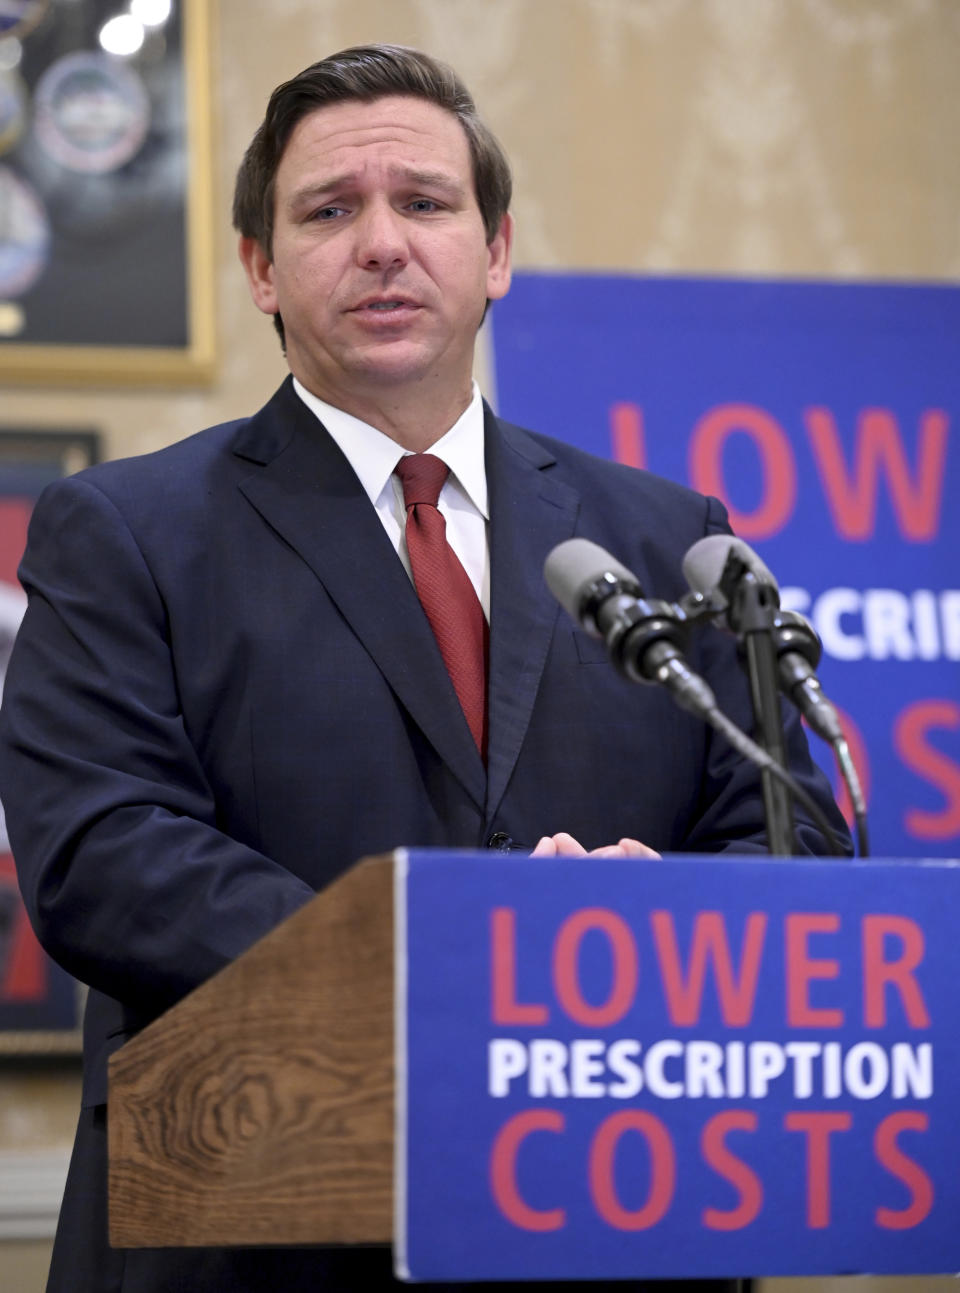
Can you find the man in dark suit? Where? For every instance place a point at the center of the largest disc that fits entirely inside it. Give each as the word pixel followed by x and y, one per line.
pixel 227 688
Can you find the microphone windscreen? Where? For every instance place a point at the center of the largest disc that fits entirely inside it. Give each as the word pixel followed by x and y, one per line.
pixel 572 567
pixel 704 563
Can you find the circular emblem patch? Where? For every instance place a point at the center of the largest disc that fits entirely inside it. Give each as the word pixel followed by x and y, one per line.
pixel 92 113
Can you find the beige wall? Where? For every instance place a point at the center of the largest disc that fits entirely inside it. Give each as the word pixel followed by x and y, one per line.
pixel 801 137
pixel 805 137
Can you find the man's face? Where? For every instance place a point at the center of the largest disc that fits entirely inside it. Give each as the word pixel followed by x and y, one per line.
pixel 380 266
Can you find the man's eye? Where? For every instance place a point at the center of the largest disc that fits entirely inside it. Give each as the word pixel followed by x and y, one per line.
pixel 423 204
pixel 327 213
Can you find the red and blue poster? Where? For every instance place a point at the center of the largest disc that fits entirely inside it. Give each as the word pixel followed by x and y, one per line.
pixel 612 1069
pixel 39 1002
pixel 825 417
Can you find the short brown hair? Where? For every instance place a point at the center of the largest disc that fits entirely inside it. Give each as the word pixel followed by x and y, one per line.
pixel 367 73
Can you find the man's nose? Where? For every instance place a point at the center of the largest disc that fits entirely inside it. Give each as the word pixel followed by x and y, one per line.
pixel 381 237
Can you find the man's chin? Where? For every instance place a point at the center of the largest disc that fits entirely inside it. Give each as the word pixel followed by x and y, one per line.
pixel 397 364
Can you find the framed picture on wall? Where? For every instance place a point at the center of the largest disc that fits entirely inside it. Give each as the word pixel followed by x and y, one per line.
pixel 40 1005
pixel 106 236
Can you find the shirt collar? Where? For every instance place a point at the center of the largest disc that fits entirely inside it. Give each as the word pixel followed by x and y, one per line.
pixel 373 455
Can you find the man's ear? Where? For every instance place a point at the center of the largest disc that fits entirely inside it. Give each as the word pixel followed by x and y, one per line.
pixel 259 271
pixel 498 264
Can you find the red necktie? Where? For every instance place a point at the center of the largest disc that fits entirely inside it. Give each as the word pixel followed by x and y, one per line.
pixel 446 593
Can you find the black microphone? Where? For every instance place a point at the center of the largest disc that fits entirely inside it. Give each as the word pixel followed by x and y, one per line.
pixel 645 637
pixel 714 568
pixel 798 653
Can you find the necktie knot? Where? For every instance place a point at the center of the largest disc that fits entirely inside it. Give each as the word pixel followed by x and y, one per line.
pixel 422 475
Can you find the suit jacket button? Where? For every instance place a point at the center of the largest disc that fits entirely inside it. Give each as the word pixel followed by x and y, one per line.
pixel 501 841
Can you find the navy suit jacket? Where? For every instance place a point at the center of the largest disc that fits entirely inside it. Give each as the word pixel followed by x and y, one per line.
pixel 225 691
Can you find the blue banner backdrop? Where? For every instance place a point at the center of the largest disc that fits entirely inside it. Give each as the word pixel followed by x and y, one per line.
pixel 689 1067
pixel 824 415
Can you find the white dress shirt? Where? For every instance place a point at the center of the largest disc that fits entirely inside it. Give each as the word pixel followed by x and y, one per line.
pixel 463 499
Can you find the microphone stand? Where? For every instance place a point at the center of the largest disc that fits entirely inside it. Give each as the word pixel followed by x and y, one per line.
pixel 754 607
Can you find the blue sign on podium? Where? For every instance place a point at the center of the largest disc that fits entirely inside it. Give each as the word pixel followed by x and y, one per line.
pixel 612 1069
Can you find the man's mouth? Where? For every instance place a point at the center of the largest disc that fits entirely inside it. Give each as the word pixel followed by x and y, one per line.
pixel 385 305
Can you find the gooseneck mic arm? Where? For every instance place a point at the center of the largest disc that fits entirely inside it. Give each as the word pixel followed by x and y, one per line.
pixel 798 654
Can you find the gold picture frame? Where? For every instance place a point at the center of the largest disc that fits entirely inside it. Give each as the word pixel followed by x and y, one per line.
pixel 26 360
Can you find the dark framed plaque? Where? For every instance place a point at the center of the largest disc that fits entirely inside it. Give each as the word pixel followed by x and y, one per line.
pixel 106 191
pixel 40 1005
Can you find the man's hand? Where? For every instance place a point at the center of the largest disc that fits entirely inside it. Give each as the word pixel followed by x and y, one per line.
pixel 564 845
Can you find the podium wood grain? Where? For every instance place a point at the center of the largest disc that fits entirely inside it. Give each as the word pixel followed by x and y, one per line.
pixel 259 1110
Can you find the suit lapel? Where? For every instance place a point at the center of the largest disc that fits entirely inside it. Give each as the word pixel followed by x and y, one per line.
pixel 530 512
pixel 308 492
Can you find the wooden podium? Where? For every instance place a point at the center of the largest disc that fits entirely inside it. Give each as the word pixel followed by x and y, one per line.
pixel 259 1110
pixel 735 1073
